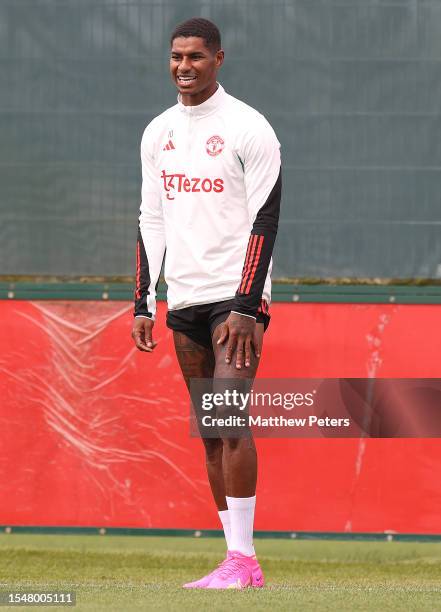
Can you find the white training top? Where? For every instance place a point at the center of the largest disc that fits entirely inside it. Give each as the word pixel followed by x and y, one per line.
pixel 207 170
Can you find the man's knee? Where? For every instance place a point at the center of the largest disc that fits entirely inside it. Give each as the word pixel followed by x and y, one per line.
pixel 213 449
pixel 232 444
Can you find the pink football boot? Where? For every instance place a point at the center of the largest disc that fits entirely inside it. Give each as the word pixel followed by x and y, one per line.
pixel 237 572
pixel 203 582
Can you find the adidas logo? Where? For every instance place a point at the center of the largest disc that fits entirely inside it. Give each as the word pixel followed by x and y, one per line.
pixel 169 146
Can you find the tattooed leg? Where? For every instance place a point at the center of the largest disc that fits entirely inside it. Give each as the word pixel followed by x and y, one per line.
pixel 239 455
pixel 197 361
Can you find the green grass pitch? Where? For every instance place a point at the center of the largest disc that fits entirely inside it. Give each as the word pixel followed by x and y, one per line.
pixel 145 573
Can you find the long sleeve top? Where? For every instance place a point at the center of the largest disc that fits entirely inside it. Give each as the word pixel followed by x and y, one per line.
pixel 211 189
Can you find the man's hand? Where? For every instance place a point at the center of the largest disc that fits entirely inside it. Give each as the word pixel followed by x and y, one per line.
pixel 142 334
pixel 240 331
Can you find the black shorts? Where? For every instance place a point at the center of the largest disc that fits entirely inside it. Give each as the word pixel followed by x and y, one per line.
pixel 199 322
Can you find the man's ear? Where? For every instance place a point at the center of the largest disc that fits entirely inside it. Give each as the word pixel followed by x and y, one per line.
pixel 219 58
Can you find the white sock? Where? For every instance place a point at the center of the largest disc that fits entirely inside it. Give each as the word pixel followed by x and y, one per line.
pixel 224 516
pixel 241 511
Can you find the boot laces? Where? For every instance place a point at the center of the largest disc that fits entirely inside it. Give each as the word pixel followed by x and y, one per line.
pixel 228 567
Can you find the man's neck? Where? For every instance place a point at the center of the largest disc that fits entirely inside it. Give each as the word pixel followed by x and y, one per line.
pixel 199 98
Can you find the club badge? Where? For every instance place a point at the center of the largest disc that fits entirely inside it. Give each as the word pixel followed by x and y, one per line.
pixel 215 145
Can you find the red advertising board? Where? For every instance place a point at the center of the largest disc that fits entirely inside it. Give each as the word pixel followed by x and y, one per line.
pixel 95 433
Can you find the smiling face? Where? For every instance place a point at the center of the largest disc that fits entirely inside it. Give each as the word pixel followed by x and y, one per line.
pixel 193 68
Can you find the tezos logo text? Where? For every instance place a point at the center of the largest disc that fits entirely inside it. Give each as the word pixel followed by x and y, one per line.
pixel 181 182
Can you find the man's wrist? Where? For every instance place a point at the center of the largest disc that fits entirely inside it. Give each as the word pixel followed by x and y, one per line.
pixel 243 314
pixel 244 307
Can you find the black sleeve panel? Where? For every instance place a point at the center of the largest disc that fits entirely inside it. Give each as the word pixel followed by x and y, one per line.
pixel 142 279
pixel 259 252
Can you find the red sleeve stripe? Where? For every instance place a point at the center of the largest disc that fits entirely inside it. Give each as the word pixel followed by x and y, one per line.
pixel 138 272
pixel 255 263
pixel 248 258
pixel 263 307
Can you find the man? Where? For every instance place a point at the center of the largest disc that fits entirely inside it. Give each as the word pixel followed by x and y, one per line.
pixel 211 196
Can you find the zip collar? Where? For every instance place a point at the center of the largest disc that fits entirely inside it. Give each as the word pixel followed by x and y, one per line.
pixel 206 108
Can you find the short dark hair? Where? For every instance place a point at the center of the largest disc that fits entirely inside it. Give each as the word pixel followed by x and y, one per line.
pixel 202 28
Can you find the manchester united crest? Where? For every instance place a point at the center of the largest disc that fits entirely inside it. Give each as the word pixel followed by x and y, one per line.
pixel 215 145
